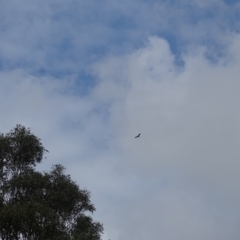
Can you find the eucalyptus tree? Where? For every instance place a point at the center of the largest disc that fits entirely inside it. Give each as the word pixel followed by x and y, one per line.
pixel 40 205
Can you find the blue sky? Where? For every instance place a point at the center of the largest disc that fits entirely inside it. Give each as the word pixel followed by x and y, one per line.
pixel 88 76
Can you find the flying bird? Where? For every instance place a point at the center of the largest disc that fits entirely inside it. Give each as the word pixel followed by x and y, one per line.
pixel 138 135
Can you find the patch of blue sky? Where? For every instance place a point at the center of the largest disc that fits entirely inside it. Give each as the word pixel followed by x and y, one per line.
pixel 233 22
pixel 231 2
pixel 122 22
pixel 85 83
pixel 2 64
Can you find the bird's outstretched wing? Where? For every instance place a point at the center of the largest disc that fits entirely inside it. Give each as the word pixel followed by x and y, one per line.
pixel 138 135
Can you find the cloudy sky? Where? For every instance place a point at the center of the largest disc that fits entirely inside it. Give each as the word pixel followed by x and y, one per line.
pixel 88 75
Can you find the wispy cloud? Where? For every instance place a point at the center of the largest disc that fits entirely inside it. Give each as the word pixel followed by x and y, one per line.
pixel 62 37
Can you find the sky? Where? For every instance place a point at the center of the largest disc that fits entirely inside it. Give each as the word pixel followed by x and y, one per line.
pixel 88 76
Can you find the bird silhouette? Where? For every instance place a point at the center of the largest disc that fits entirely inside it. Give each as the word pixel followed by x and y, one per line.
pixel 138 135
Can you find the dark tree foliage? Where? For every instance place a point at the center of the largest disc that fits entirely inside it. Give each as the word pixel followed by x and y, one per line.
pixel 36 205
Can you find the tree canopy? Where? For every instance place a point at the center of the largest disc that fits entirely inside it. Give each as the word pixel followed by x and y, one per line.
pixel 40 205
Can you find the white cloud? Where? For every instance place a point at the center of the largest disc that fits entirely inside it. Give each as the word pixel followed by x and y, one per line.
pixel 189 120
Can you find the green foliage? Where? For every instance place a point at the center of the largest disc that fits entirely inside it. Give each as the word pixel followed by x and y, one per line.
pixel 36 205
